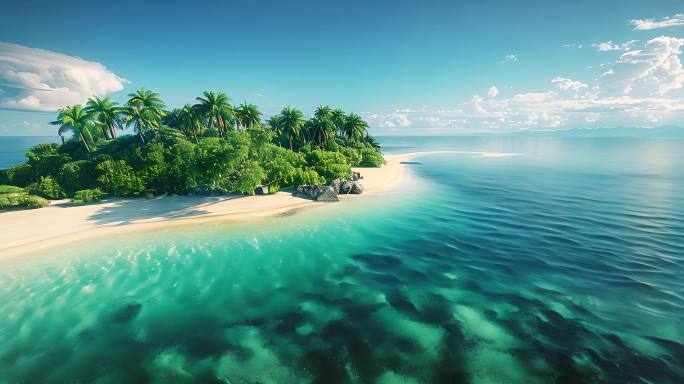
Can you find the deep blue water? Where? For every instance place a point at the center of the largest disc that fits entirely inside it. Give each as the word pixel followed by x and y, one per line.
pixel 562 264
pixel 12 148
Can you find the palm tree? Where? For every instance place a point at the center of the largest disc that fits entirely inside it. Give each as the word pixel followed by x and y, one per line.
pixel 148 100
pixel 77 120
pixel 291 123
pixel 142 121
pixel 186 120
pixel 370 140
pixel 248 115
pixel 216 107
pixel 322 111
pixel 337 116
pixel 144 111
pixel 274 123
pixel 320 129
pixel 354 127
pixel 107 114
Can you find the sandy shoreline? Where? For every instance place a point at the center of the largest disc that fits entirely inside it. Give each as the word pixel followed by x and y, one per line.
pixel 28 231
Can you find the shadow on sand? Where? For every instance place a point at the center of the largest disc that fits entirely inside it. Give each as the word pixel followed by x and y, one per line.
pixel 125 211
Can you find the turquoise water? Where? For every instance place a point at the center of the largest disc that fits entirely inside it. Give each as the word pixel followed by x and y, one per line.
pixel 563 264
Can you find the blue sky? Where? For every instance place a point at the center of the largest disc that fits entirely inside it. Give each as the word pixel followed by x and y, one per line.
pixel 409 67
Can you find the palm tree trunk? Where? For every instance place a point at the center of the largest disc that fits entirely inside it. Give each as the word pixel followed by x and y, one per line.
pixel 83 141
pixel 112 131
pixel 104 131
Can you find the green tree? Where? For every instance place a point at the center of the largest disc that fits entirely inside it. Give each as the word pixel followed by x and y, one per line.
pixel 338 118
pixel 78 121
pixel 354 127
pixel 144 111
pixel 323 111
pixel 319 130
pixel 216 107
pixel 248 115
pixel 107 115
pixel 291 123
pixel 119 178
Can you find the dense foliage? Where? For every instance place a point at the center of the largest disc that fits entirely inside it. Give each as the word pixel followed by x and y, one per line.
pixel 86 196
pixel 211 147
pixel 13 197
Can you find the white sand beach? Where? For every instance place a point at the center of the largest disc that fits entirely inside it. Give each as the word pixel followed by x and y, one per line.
pixel 26 231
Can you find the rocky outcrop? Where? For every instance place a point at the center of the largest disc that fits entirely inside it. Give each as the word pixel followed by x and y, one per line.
pixel 317 192
pixel 262 190
pixel 351 187
pixel 336 185
pixel 356 176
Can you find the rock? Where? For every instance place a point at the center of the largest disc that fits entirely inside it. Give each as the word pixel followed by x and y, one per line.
pixel 262 190
pixel 317 192
pixel 356 176
pixel 351 187
pixel 149 195
pixel 336 185
pixel 327 194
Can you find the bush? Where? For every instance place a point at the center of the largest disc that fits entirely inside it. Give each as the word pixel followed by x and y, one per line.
pixel 118 178
pixel 11 200
pixel 371 158
pixel 86 196
pixel 10 189
pixel 353 156
pixel 19 175
pixel 46 187
pixel 249 177
pixel 76 175
pixel 308 177
pixel 330 165
pixel 31 201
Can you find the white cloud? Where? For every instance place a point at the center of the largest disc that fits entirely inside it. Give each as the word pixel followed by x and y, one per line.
pixel 568 84
pixel 511 57
pixel 493 92
pixel 40 80
pixel 648 24
pixel 656 69
pixel 610 46
pixel 643 86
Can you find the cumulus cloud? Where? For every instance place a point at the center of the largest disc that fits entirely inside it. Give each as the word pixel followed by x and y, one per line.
pixel 568 84
pixel 655 69
pixel 40 80
pixel 610 46
pixel 493 92
pixel 649 24
pixel 644 86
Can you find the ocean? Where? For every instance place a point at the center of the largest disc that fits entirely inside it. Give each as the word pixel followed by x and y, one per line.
pixel 562 264
pixel 13 148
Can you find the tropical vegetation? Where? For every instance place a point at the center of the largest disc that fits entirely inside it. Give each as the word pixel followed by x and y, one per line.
pixel 210 147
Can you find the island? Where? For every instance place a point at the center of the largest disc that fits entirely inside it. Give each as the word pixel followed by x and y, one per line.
pixel 210 160
pixel 209 148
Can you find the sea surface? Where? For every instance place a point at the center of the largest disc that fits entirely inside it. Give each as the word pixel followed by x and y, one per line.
pixel 562 264
pixel 13 148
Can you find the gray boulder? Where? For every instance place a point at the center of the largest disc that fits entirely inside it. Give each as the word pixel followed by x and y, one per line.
pixel 336 185
pixel 351 187
pixel 317 192
pixel 327 194
pixel 356 176
pixel 262 190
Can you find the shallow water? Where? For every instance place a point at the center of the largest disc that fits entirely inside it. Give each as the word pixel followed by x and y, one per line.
pixel 562 264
